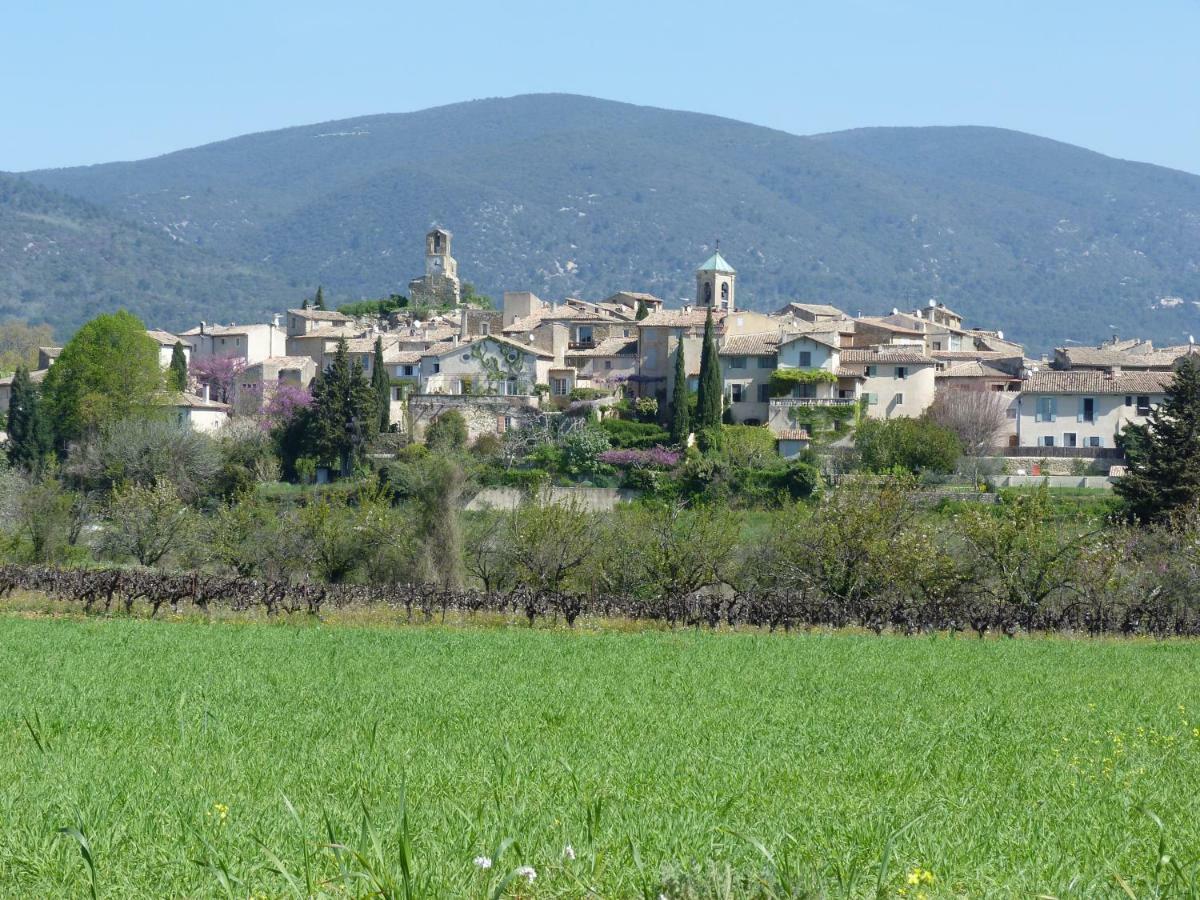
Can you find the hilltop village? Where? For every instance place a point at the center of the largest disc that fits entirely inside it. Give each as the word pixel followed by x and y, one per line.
pixel 504 368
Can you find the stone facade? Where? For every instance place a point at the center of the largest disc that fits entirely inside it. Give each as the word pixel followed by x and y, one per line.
pixel 439 286
pixel 483 414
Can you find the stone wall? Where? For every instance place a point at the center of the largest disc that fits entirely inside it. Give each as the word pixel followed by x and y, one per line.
pixel 483 414
pixel 593 499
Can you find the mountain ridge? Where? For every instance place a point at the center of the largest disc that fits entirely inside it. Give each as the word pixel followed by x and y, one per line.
pixel 568 195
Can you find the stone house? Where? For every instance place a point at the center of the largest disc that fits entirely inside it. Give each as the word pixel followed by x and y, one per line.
pixel 249 343
pixel 610 364
pixel 166 346
pixel 256 382
pixel 1085 408
pixel 492 365
pixel 197 412
pixel 896 380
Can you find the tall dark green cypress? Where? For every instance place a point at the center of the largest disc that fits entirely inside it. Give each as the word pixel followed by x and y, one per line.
pixel 29 436
pixel 177 372
pixel 343 411
pixel 642 310
pixel 680 422
pixel 319 300
pixel 1164 455
pixel 709 395
pixel 382 385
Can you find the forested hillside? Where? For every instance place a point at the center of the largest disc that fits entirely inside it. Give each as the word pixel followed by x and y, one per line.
pixel 569 195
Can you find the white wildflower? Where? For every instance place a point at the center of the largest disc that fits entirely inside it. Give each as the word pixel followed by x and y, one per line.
pixel 526 872
pixel 484 862
pixel 569 852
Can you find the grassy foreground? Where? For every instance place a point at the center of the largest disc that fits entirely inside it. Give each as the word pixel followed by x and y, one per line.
pixel 690 764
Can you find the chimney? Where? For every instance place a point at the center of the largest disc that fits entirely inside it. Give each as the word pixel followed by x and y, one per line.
pixel 203 325
pixel 275 320
pixel 204 392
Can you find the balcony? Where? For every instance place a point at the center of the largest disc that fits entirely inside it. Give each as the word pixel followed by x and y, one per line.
pixel 785 402
pixel 582 344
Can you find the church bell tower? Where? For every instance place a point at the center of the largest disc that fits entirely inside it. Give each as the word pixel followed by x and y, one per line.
pixel 715 283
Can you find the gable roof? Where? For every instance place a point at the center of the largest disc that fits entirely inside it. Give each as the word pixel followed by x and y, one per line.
pixel 466 346
pixel 814 309
pixel 886 355
pixel 750 345
pixel 323 315
pixel 681 318
pixel 614 346
pixel 1050 381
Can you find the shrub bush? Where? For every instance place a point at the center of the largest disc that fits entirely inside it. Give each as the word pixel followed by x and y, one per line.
pixel 626 435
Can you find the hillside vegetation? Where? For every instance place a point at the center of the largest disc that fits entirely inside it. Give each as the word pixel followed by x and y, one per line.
pixel 570 195
pixel 63 260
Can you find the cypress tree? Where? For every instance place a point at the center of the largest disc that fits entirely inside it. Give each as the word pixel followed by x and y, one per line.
pixel 343 409
pixel 642 310
pixel 709 396
pixel 680 426
pixel 304 305
pixel 1164 455
pixel 319 301
pixel 29 437
pixel 382 385
pixel 177 373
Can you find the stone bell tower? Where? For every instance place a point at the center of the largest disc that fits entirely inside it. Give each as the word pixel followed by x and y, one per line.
pixel 715 283
pixel 440 284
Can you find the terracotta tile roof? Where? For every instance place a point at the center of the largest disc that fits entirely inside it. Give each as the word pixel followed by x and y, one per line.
pixel 322 315
pixel 283 362
pixel 887 355
pixel 850 371
pixel 164 338
pixel 816 335
pixel 617 346
pixel 965 355
pixel 404 357
pixel 332 332
pixel 792 434
pixel 680 318
pixel 465 346
pixel 1105 357
pixel 765 344
pixel 815 309
pixel 878 322
pixel 191 401
pixel 1094 382
pixel 974 369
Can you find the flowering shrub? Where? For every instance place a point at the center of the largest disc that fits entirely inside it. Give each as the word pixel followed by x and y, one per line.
pixel 656 457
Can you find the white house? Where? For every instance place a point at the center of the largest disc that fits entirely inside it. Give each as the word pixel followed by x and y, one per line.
pixel 1085 408
pixel 898 380
pixel 492 365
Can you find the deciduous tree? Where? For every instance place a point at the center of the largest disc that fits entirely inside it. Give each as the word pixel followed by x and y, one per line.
pixel 109 370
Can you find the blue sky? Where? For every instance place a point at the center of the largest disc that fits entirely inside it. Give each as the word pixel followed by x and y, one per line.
pixel 96 81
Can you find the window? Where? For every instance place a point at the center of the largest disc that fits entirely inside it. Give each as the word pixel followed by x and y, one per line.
pixel 1094 441
pixel 608 364
pixel 937 345
pixel 1143 406
pixel 1070 439
pixel 396 394
pixel 1046 441
pixel 485 328
pixel 1087 409
pixel 1128 400
pixel 508 387
pixel 805 359
pixel 901 372
pixel 735 393
pixel 899 399
pixel 871 371
pixel 767 362
pixel 559 387
pixel 437 367
pixel 725 292
pixel 872 399
pixel 584 335
pixel 764 393
pixel 737 362
pixel 408 370
pixel 708 293
pixel 1047 410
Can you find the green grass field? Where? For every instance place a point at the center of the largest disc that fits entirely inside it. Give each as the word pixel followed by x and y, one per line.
pixel 676 763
